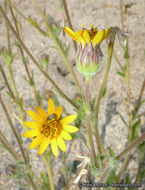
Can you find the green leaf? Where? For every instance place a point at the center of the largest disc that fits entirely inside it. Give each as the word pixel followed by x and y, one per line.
pixel 141 103
pixel 95 171
pixel 75 136
pixel 142 175
pixel 27 157
pixel 99 161
pixel 111 176
pixel 67 50
pixel 123 120
pixel 78 120
pixel 141 147
pixel 20 163
pixel 135 129
pixel 44 178
pixel 20 137
pixel 16 43
pixel 126 53
pixel 128 180
pixel 93 103
pixel 24 185
pixel 111 152
pixel 121 74
pixel 8 93
pixel 104 92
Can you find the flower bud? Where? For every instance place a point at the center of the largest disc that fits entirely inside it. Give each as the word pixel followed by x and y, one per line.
pixel 89 59
pixel 89 55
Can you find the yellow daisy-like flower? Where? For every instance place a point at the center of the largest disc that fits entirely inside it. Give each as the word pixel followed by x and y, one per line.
pixel 86 36
pixel 89 57
pixel 49 128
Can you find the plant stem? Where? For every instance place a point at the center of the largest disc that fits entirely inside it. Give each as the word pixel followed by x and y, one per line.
pixel 6 82
pixel 18 140
pixel 89 124
pixel 117 60
pixel 68 20
pixel 98 140
pixel 127 75
pixel 9 147
pixel 7 28
pixel 15 91
pixel 34 60
pixel 47 163
pixel 140 97
pixel 24 59
pixel 58 45
pixel 139 168
pixel 131 146
pixel 121 14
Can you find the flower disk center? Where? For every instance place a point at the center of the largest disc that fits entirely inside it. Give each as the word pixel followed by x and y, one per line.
pixel 51 128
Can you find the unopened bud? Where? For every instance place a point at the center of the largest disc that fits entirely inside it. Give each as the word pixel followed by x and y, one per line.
pixel 89 59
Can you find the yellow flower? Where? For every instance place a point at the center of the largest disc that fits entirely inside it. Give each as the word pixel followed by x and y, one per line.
pixel 89 57
pixel 49 128
pixel 86 36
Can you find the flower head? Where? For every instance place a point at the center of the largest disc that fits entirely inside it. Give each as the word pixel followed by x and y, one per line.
pixel 49 128
pixel 86 36
pixel 89 53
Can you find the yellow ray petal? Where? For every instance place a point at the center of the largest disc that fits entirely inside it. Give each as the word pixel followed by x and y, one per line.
pixel 80 38
pixel 54 147
pixel 31 124
pixel 61 144
pixel 58 111
pixel 36 141
pixel 65 135
pixel 68 119
pixel 70 128
pixel 86 36
pixel 31 133
pixel 99 37
pixel 35 116
pixel 70 33
pixel 41 112
pixel 107 32
pixel 51 107
pixel 43 146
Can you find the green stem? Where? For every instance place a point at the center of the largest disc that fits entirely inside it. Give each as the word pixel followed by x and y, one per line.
pixel 69 20
pixel 98 140
pixel 34 60
pixel 139 168
pixel 131 146
pixel 128 91
pixel 24 60
pixel 9 147
pixel 18 140
pixel 7 28
pixel 89 123
pixel 121 13
pixel 6 82
pixel 15 91
pixel 47 163
pixel 59 47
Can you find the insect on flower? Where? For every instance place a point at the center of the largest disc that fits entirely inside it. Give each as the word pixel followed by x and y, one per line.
pixel 52 116
pixel 49 128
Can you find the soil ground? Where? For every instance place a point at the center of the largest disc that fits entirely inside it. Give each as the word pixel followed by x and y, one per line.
pixel 88 12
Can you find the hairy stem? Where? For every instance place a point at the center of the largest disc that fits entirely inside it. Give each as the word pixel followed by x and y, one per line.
pixel 89 124
pixel 18 140
pixel 58 45
pixel 98 140
pixel 34 60
pixel 47 163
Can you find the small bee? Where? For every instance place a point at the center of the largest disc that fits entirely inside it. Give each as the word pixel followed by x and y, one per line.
pixel 52 116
